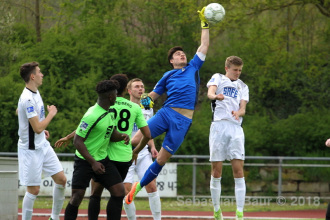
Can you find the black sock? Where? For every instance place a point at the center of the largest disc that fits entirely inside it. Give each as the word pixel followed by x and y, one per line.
pixel 94 207
pixel 114 208
pixel 71 212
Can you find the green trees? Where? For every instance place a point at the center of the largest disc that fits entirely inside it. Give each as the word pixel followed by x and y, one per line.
pixel 284 45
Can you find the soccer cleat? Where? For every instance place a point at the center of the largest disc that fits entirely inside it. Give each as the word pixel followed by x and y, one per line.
pixel 239 215
pixel 131 195
pixel 218 215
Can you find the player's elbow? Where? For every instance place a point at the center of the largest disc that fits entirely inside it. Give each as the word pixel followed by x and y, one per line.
pixel 38 130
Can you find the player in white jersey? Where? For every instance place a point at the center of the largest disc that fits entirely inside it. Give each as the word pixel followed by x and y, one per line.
pixel 229 97
pixel 136 89
pixel 35 154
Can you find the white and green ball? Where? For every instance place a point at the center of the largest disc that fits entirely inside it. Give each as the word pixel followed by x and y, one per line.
pixel 214 13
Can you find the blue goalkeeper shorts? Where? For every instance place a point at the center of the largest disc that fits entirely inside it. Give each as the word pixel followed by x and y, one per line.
pixel 173 123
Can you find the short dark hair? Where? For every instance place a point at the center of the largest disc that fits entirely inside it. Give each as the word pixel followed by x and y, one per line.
pixel 122 80
pixel 171 52
pixel 26 70
pixel 104 87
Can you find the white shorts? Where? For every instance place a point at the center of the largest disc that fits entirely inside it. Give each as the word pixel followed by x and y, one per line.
pixel 35 163
pixel 226 141
pixel 144 160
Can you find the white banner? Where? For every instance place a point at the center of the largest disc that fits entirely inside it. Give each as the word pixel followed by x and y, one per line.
pixel 166 182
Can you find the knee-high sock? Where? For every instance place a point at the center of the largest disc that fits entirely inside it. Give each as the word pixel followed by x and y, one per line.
pixel 27 207
pixel 114 208
pixel 58 199
pixel 94 207
pixel 215 188
pixel 71 212
pixel 130 211
pixel 240 190
pixel 151 173
pixel 155 205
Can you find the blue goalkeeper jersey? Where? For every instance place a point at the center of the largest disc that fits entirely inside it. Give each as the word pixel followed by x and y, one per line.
pixel 181 85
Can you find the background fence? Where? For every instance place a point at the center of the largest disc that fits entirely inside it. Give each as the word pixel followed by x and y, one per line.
pixel 278 162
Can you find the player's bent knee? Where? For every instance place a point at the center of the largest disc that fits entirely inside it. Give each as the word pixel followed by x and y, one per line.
pixel 61 181
pixel 59 178
pixel 151 187
pixel 34 190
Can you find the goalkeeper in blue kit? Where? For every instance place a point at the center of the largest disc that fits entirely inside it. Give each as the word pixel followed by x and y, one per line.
pixel 175 117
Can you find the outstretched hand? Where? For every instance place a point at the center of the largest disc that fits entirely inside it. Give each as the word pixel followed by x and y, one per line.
pixel 63 141
pixel 204 22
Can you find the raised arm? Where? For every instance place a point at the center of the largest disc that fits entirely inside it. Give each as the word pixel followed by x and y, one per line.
pixel 205 38
pixel 205 42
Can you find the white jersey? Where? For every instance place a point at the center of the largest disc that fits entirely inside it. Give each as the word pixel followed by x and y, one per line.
pixel 233 91
pixel 30 104
pixel 147 115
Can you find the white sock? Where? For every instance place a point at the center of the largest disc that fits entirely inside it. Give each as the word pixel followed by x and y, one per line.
pixel 58 200
pixel 240 190
pixel 215 188
pixel 27 207
pixel 130 210
pixel 155 205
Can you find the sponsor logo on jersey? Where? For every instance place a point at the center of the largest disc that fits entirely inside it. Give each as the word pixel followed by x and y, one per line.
pixel 83 125
pixel 135 127
pixel 42 112
pixel 30 109
pixel 212 80
pixel 230 91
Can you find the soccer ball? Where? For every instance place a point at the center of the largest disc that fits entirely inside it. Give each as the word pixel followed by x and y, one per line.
pixel 214 13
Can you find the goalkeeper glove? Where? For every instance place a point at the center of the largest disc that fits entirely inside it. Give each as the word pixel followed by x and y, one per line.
pixel 204 23
pixel 146 101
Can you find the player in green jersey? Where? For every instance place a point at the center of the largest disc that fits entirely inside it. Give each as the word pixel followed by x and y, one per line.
pixel 126 113
pixel 96 129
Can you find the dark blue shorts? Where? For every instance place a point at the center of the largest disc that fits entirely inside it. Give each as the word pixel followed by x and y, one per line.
pixel 173 123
